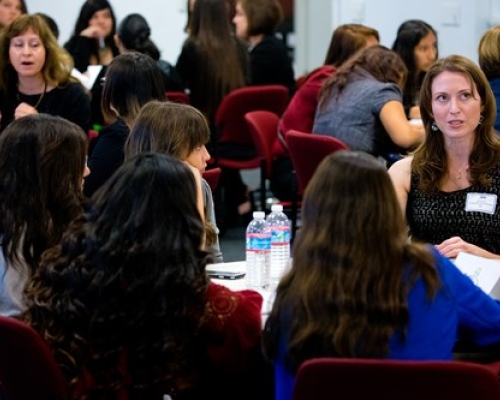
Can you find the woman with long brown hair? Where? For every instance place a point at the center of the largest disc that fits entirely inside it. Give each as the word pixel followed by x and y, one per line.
pixel 346 297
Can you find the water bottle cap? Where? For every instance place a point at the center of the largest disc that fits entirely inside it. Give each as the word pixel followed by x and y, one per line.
pixel 277 207
pixel 259 214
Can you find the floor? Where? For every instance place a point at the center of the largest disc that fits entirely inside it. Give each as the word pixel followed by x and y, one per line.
pixel 232 242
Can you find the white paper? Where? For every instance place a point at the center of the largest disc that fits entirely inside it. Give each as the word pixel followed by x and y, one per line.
pixel 484 272
pixel 89 77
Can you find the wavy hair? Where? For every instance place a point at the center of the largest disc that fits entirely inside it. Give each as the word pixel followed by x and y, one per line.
pixel 131 80
pixel 58 63
pixel 347 297
pixel 430 161
pixel 489 53
pixel 219 54
pixel 87 11
pixel 408 36
pixel 169 128
pixel 378 61
pixel 126 288
pixel 346 40
pixel 42 159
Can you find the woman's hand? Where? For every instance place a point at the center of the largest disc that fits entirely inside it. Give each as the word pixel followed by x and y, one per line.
pixel 452 246
pixel 92 31
pixel 24 109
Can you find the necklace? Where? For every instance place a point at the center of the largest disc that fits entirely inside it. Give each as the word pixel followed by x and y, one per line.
pixel 18 97
pixel 459 174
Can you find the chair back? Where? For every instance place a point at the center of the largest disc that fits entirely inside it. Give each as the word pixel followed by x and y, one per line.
pixel 212 176
pixel 230 115
pixel 263 128
pixel 28 369
pixel 178 97
pixel 360 379
pixel 307 151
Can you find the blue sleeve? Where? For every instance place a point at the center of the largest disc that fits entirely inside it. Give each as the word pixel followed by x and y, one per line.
pixel 478 313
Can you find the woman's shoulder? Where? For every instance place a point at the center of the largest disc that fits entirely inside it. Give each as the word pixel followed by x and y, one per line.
pixel 224 305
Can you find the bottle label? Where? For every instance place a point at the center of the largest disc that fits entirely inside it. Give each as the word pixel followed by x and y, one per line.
pixel 280 235
pixel 258 242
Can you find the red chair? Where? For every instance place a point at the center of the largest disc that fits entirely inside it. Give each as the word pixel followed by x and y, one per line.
pixel 178 97
pixel 263 127
pixel 307 151
pixel 212 177
pixel 28 369
pixel 233 138
pixel 360 379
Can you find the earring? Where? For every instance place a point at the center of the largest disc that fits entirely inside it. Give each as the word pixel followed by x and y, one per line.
pixel 434 127
pixel 481 119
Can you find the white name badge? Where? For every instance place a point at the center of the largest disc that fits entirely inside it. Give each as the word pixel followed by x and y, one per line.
pixel 481 202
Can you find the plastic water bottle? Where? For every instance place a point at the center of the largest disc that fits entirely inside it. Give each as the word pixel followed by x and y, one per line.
pixel 258 252
pixel 280 243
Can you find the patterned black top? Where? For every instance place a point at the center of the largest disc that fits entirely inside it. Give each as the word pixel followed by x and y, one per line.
pixel 436 217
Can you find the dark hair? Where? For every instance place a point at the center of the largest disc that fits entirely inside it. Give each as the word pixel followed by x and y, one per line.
pixel 51 24
pixel 89 8
pixel 346 40
pixel 132 79
pixel 58 63
pixel 126 287
pixel 408 36
pixel 134 34
pixel 219 59
pixel 343 297
pixel 430 160
pixel 42 159
pixel 263 16
pixel 380 62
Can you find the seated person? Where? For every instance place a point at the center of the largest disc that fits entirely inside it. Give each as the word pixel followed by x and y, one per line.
pixel 41 177
pixel 256 22
pixel 448 188
pixel 133 34
pixel 361 105
pixel 345 297
pixel 43 85
pixel 125 303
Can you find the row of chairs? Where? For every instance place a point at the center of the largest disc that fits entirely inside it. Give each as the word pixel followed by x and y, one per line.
pixel 306 152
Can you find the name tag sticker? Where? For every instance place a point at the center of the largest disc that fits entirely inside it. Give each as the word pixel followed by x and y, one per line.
pixel 481 202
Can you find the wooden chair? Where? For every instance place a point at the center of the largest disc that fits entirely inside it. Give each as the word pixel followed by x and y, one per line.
pixel 28 369
pixel 360 379
pixel 307 151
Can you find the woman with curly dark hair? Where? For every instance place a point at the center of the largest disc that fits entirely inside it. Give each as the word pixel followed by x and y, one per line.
pixel 345 297
pixel 125 303
pixel 42 166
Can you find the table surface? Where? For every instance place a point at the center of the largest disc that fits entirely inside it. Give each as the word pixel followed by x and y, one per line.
pixel 240 284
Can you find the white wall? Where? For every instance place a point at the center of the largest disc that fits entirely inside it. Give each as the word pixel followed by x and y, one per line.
pixel 460 23
pixel 165 17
